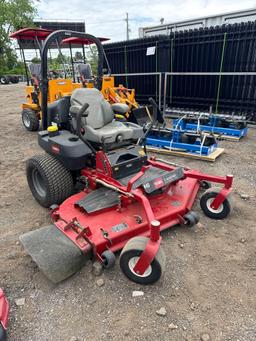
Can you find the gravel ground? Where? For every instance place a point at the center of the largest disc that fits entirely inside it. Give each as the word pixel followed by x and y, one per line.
pixel 208 291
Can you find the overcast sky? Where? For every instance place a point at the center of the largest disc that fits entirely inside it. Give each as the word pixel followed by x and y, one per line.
pixel 106 18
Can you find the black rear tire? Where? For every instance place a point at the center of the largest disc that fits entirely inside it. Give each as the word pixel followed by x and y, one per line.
pixel 30 119
pixel 49 181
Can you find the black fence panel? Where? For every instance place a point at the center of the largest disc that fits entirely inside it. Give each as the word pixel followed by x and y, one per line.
pixel 227 48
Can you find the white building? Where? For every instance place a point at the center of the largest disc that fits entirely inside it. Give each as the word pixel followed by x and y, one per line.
pixel 213 20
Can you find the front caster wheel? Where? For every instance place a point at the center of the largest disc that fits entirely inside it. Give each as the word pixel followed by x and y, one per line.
pixel 131 254
pixel 206 200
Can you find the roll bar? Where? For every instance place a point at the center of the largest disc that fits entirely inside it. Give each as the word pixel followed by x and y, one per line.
pixel 59 35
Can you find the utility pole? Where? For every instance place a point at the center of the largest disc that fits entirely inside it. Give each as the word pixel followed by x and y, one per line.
pixel 127 26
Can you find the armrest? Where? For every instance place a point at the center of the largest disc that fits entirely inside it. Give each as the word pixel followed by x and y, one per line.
pixel 75 110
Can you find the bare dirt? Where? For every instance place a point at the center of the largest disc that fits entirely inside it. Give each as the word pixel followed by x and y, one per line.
pixel 209 283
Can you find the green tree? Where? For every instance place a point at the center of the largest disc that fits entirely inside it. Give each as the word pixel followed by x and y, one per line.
pixel 14 14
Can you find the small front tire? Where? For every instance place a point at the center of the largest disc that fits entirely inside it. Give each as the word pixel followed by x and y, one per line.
pixel 206 200
pixel 130 255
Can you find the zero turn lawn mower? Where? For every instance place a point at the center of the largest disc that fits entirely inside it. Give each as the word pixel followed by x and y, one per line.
pixel 103 192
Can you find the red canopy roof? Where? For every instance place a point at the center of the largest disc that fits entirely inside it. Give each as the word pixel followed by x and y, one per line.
pixel 80 41
pixel 31 33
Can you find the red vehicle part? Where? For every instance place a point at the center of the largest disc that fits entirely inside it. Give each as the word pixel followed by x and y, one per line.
pixel 4 312
pixel 111 228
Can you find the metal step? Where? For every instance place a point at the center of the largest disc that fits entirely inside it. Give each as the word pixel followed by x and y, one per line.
pixel 98 199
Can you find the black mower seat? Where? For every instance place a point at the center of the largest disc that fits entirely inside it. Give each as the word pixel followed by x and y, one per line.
pixel 100 125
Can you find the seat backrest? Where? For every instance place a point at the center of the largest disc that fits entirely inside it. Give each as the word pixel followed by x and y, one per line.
pixel 100 112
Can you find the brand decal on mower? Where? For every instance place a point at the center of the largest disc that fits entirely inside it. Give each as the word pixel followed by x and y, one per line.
pixel 164 180
pixel 119 227
pixel 55 149
pixel 158 183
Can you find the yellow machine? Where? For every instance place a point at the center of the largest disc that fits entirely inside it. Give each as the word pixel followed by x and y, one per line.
pixel 118 94
pixel 111 93
pixel 31 110
pixel 59 87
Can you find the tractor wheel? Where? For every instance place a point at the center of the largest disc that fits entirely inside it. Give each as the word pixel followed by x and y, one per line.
pixel 4 80
pixel 109 259
pixel 30 119
pixel 49 181
pixel 130 255
pixel 206 200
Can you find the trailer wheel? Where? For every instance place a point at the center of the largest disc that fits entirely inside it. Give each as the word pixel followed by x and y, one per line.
pixel 49 181
pixel 30 119
pixel 130 255
pixel 206 200
pixel 109 259
pixel 4 80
